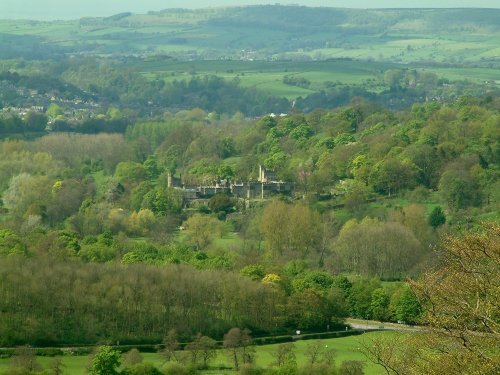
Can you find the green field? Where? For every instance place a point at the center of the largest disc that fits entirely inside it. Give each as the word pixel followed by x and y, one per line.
pixel 347 348
pixel 267 76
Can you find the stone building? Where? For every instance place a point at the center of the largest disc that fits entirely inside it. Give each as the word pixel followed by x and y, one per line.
pixel 266 185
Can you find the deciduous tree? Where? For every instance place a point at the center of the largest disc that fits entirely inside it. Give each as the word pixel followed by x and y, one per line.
pixel 461 311
pixel 106 361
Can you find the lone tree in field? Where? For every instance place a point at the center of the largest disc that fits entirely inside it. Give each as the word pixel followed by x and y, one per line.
pixel 25 358
pixel 313 351
pixel 106 361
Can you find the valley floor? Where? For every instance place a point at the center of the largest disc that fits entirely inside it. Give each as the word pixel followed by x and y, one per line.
pixel 347 348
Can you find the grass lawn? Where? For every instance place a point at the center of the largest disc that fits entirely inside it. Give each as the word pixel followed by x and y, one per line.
pixel 100 182
pixel 347 348
pixel 228 241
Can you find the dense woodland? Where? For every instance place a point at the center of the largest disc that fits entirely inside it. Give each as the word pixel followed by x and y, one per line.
pixel 92 216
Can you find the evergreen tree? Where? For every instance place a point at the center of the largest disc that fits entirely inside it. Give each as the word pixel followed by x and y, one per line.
pixel 437 217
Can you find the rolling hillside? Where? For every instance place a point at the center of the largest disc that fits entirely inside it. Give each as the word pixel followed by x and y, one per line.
pixel 270 33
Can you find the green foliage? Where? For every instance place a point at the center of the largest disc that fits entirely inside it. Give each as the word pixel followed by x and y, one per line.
pixel 351 368
pixel 163 200
pixel 49 294
pixel 254 271
pixel 301 132
pixel 138 195
pixel 202 351
pixel 25 361
pixel 151 166
pixel 460 189
pixel 27 194
pixel 276 161
pixel 130 172
pixel 309 310
pixel 221 202
pixel 225 171
pixel 315 280
pixel 174 368
pixel 343 139
pixel 97 252
pixel 132 357
pixel 285 356
pixel 227 148
pixel 437 217
pixel 393 250
pixel 154 132
pixel 406 306
pixel 248 369
pixel 142 253
pixel 299 229
pixel 11 244
pixel 142 369
pixel 201 230
pixel 392 175
pixel 54 111
pixel 106 361
pixel 379 305
pixel 360 298
pixel 238 344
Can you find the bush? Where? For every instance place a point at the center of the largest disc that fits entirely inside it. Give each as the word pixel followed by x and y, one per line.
pixel 272 340
pixel 318 369
pixel 132 357
pixel 6 353
pixel 16 371
pixel 248 369
pixel 437 217
pixel 352 368
pixel 328 335
pixel 418 195
pixel 221 203
pixel 144 348
pixel 105 361
pixel 142 369
pixel 84 350
pixel 49 352
pixel 174 368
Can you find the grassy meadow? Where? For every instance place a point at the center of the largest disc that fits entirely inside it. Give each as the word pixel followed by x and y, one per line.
pixel 347 348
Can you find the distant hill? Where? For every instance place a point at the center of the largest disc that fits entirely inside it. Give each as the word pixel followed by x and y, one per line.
pixel 273 32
